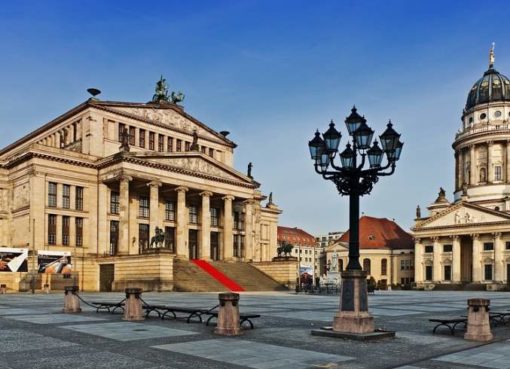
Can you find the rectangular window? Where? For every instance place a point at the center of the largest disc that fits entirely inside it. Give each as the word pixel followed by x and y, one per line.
pixel 65 230
pixel 79 231
pixel 141 138
pixel 447 272
pixel 215 217
pixel 186 146
pixel 52 229
pixel 161 143
pixel 238 221
pixel 114 203
pixel 203 149
pixel 52 194
pixel 170 144
pixel 179 146
pixel 507 245
pixel 488 246
pixel 143 210
pixel 151 140
pixel 447 248
pixel 170 210
pixel 66 196
pixel 132 136
pixel 428 272
pixel 402 265
pixel 143 236
pixel 238 246
pixel 114 237
pixel 79 198
pixel 170 238
pixel 497 173
pixel 488 272
pixel 193 214
pixel 122 127
pixel 429 249
pixel 211 153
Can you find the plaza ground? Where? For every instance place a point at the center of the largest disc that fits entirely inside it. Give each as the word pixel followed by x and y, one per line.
pixel 35 334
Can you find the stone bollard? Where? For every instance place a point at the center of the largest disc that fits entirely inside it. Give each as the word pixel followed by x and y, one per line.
pixel 46 288
pixel 133 309
pixel 228 315
pixel 3 289
pixel 478 325
pixel 71 301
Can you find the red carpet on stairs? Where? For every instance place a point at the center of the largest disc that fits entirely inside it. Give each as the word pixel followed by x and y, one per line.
pixel 219 276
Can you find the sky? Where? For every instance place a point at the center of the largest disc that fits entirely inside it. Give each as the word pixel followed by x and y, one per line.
pixel 270 72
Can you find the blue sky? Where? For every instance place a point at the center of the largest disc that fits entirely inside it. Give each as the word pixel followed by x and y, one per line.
pixel 270 72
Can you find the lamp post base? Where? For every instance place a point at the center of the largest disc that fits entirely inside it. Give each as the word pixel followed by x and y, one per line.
pixel 353 316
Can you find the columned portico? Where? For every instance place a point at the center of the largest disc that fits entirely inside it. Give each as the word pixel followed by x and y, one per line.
pixel 228 224
pixel 418 261
pixel 436 269
pixel 499 265
pixel 181 234
pixel 477 264
pixel 154 206
pixel 205 226
pixel 456 259
pixel 248 239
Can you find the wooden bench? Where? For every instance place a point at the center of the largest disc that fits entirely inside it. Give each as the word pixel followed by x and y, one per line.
pixel 242 318
pixel 164 311
pixel 450 323
pixel 111 307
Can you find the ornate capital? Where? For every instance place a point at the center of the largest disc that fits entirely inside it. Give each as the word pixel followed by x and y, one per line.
pixel 496 235
pixel 206 194
pixel 228 197
pixel 155 183
pixel 475 236
pixel 182 189
pixel 124 178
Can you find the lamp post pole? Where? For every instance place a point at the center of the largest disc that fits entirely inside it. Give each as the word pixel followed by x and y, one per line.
pixel 353 179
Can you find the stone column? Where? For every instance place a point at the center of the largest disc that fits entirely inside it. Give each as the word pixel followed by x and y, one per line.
pixel 124 215
pixel 499 261
pixel 154 218
pixel 457 179
pixel 248 229
pixel 205 226
pixel 460 168
pixel 507 162
pixel 478 326
pixel 228 315
pixel 472 179
pixel 437 275
pixel 477 254
pixel 418 261
pixel 103 239
pixel 490 170
pixel 181 234
pixel 456 259
pixel 228 225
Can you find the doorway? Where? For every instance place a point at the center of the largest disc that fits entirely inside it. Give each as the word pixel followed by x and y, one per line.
pixel 215 246
pixel 466 259
pixel 106 277
pixel 193 244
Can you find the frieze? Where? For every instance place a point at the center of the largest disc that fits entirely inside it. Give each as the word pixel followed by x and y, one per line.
pixel 201 166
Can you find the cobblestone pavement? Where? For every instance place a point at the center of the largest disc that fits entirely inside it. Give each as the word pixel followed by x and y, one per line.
pixel 36 334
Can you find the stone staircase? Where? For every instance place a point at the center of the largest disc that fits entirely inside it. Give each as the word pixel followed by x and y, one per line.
pixel 190 278
pixel 248 277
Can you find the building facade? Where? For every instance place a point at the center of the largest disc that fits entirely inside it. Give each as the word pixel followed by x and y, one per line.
pixel 126 188
pixel 468 240
pixel 386 252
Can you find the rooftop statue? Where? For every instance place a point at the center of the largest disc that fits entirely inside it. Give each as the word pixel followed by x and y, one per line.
pixel 161 91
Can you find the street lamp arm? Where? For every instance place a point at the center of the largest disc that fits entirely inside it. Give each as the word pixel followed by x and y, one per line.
pixel 360 167
pixel 390 172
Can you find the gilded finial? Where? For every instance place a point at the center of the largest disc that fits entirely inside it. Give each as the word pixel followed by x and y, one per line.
pixel 491 56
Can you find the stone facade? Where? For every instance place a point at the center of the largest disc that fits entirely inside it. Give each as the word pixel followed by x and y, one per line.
pixel 468 241
pixel 100 178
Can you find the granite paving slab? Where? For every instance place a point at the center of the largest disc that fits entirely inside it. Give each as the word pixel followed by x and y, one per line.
pixel 53 318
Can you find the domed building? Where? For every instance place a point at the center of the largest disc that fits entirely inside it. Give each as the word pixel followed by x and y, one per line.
pixel 468 241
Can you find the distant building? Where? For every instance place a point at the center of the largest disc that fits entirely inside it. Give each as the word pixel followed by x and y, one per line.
pixel 386 251
pixel 324 240
pixel 305 247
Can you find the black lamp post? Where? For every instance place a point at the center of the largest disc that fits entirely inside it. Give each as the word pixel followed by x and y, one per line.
pixel 354 178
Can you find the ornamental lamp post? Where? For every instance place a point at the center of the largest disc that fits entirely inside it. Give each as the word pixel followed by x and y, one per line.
pixel 354 178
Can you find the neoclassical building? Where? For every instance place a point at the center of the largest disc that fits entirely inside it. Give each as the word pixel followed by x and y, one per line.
pixel 99 179
pixel 468 240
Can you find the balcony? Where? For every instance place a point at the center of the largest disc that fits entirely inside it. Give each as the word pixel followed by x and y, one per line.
pixel 482 128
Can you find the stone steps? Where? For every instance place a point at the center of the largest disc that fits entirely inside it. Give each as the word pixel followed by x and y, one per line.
pixel 247 276
pixel 190 278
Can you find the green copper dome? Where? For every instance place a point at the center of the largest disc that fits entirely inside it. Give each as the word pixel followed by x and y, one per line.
pixel 493 86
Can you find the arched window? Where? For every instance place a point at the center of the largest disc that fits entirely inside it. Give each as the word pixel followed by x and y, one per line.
pixel 340 265
pixel 366 265
pixel 384 266
pixel 497 173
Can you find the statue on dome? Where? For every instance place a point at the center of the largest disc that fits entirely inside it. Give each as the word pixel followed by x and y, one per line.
pixel 250 166
pixel 418 212
pixel 491 56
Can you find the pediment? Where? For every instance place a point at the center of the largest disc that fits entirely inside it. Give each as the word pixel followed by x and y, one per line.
pixel 462 215
pixel 171 118
pixel 196 163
